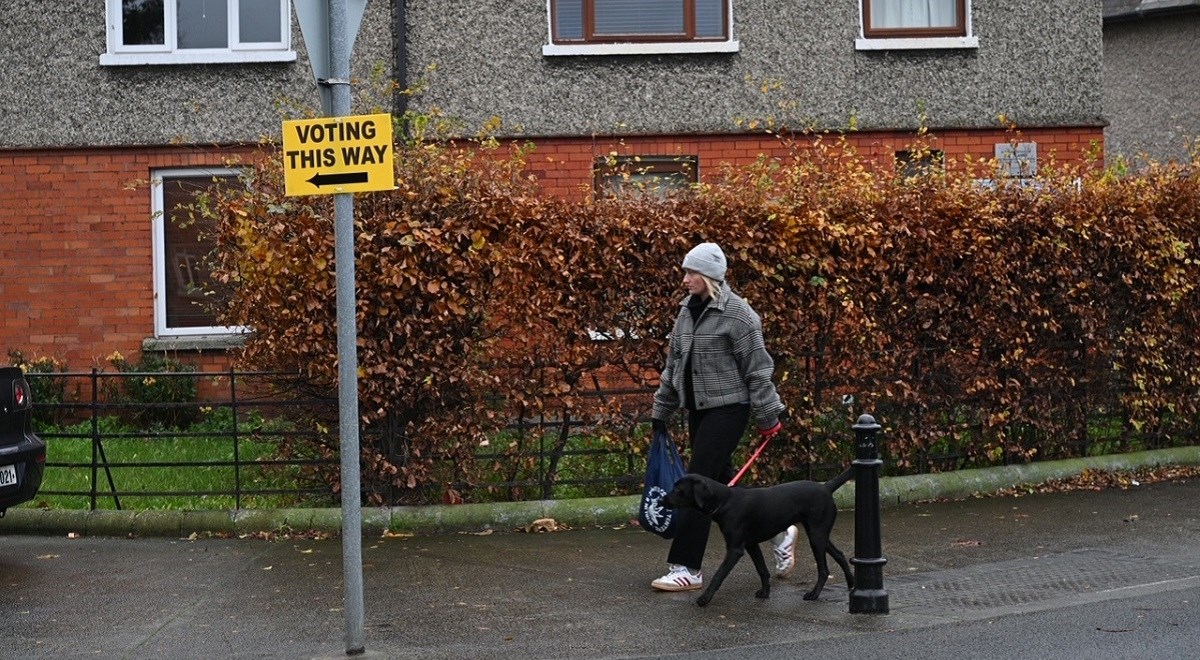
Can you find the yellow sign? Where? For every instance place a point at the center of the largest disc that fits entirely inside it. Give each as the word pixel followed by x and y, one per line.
pixel 338 155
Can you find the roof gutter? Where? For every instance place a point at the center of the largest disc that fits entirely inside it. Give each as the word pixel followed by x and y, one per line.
pixel 1115 12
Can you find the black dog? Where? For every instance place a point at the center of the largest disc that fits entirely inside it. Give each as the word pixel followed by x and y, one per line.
pixel 749 516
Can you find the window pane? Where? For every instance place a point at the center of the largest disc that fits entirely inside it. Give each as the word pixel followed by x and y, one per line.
pixel 914 13
pixel 258 21
pixel 910 164
pixel 202 24
pixel 635 185
pixel 142 22
pixel 642 176
pixel 634 17
pixel 710 18
pixel 568 19
pixel 185 251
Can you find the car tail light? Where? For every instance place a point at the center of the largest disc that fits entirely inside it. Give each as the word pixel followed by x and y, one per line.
pixel 19 394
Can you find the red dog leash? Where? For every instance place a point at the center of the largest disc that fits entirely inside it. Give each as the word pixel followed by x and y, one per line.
pixel 753 457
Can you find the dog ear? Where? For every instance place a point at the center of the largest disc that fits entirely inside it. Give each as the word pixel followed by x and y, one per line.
pixel 702 494
pixel 685 486
pixel 685 489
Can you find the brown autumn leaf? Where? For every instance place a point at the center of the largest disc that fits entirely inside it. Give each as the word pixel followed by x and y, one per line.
pixel 543 525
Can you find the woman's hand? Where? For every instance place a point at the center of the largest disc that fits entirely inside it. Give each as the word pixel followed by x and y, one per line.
pixel 771 432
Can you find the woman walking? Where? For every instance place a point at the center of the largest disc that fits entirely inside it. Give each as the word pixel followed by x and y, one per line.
pixel 718 369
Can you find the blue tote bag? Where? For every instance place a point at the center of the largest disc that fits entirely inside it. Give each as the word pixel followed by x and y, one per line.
pixel 663 468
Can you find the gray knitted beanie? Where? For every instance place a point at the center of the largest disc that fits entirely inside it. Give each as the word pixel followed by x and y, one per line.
pixel 706 259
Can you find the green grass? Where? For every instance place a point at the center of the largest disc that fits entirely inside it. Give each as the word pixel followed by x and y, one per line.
pixel 215 446
pixel 594 466
pixel 585 457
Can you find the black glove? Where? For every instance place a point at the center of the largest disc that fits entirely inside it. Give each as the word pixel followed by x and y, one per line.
pixel 659 426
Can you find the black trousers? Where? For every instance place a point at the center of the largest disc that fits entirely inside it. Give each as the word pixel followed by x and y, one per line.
pixel 714 435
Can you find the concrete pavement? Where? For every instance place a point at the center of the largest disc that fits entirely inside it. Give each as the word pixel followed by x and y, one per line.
pixel 1075 575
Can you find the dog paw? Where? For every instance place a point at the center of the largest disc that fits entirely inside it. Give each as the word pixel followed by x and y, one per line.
pixel 703 600
pixel 762 593
pixel 812 595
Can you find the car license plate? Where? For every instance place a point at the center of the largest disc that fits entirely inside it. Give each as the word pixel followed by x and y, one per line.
pixel 8 475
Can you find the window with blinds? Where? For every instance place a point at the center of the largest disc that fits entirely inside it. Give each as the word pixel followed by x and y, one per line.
pixel 617 21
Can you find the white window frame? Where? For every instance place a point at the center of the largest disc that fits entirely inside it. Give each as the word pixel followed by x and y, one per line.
pixel 161 329
pixel 238 52
pixel 915 43
pixel 551 49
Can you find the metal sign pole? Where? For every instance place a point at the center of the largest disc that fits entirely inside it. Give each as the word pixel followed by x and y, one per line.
pixel 347 334
pixel 329 28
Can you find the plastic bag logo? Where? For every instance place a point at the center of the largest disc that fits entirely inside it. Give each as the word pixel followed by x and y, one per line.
pixel 654 512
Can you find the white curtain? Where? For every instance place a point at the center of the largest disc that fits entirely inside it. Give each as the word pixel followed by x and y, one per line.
pixel 913 13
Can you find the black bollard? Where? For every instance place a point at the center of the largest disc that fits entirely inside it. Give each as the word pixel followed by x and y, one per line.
pixel 868 595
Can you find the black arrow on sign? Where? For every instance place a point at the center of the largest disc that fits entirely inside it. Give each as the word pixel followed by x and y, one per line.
pixel 319 179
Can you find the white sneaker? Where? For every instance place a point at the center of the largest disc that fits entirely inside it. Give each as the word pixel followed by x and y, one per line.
pixel 679 578
pixel 785 551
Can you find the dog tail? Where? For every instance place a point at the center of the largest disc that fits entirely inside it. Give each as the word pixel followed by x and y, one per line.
pixel 836 482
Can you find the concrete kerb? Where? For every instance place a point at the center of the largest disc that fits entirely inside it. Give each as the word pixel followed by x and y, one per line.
pixel 507 516
pixel 964 483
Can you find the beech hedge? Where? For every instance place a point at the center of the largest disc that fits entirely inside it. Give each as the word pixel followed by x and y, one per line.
pixel 987 321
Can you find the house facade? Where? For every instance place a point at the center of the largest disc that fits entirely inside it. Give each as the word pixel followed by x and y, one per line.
pixel 1151 78
pixel 589 88
pixel 139 104
pixel 116 111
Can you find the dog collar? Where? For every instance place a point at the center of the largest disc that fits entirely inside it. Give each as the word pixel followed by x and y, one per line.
pixel 712 513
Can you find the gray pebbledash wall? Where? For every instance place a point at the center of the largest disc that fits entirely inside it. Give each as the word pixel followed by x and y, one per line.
pixel 55 93
pixel 1152 88
pixel 1038 61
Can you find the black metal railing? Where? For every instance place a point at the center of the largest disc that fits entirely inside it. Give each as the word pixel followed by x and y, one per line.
pixel 86 406
pixel 275 454
pixel 82 407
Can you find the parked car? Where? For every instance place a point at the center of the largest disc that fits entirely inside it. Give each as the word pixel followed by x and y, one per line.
pixel 22 453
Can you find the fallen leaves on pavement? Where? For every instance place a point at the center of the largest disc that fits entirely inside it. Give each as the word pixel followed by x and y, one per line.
pixel 543 525
pixel 277 535
pixel 1091 479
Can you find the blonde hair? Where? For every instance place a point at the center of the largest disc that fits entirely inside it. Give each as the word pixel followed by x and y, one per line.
pixel 713 286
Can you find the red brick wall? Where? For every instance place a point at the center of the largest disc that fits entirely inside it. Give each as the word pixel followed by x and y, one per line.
pixel 75 243
pixel 76 280
pixel 564 165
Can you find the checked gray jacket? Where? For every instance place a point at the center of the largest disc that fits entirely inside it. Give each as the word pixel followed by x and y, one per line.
pixel 730 363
